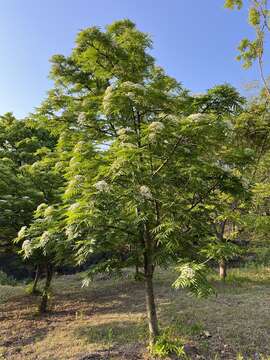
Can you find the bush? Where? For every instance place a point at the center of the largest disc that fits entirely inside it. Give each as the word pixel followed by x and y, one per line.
pixel 6 280
pixel 166 344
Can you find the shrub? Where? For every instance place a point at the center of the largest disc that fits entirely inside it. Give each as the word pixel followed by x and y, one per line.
pixel 6 280
pixel 166 345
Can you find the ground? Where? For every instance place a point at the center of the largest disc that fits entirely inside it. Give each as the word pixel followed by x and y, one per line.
pixel 107 319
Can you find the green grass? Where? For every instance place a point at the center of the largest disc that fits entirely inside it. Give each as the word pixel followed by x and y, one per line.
pixel 108 318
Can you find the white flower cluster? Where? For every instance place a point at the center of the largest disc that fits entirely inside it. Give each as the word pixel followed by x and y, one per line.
pixel 74 207
pixel 81 118
pixel 79 178
pixel 78 148
pixel 102 186
pixel 187 273
pixel 133 89
pixel 131 96
pixel 22 232
pixel 197 117
pixel 49 211
pixel 145 192
pixel 45 238
pixel 130 85
pixel 69 232
pixel 26 247
pixel 155 128
pixel 41 207
pixel 107 98
pixel 124 131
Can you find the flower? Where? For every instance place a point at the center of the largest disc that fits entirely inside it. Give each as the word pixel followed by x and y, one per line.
pixel 49 211
pixel 26 247
pixel 74 206
pixel 197 117
pixel 124 131
pixel 22 232
pixel 78 148
pixel 81 118
pixel 41 207
pixel 102 186
pixel 145 192
pixel 187 273
pixel 45 238
pixel 107 98
pixel 130 85
pixel 156 126
pixel 69 232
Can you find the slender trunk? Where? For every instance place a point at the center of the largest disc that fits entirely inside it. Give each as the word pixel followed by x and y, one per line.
pixel 45 293
pixel 137 275
pixel 149 290
pixel 151 309
pixel 36 279
pixel 222 269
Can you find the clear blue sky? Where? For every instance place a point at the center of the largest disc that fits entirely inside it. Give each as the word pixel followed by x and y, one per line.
pixel 194 40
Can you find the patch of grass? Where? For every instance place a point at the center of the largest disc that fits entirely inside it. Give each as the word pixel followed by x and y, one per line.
pixel 7 292
pixel 113 333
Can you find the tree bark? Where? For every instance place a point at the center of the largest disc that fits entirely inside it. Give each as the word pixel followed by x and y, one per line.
pixel 36 279
pixel 149 289
pixel 223 269
pixel 45 293
pixel 137 272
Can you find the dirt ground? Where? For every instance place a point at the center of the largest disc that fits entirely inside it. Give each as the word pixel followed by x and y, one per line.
pixel 107 319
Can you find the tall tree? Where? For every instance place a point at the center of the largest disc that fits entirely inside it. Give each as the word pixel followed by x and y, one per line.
pixel 143 162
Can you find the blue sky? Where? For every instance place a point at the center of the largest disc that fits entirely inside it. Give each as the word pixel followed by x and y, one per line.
pixel 194 40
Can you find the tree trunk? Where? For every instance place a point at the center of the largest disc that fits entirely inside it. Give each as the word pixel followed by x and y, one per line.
pixel 37 276
pixel 222 269
pixel 149 290
pixel 151 309
pixel 45 293
pixel 137 272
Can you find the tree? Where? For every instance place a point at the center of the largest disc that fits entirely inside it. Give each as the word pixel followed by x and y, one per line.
pixel 44 241
pixel 224 207
pixel 254 50
pixel 143 163
pixel 19 197
pixel 252 129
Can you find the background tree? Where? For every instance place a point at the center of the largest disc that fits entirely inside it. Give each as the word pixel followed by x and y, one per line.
pixel 20 146
pixel 254 50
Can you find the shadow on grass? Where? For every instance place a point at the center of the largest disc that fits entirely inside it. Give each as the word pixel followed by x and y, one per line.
pixel 114 333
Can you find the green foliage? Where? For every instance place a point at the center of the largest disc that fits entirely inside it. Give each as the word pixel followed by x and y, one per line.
pixel 7 280
pixel 193 276
pixel 221 251
pixel 166 345
pixel 230 4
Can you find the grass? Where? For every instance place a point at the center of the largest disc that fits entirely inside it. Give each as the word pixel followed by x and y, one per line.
pixel 107 319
